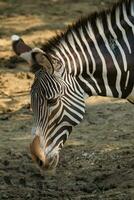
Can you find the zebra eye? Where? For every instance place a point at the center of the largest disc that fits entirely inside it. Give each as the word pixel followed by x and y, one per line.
pixel 52 101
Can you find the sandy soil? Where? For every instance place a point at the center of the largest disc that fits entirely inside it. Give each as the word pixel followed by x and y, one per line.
pixel 97 162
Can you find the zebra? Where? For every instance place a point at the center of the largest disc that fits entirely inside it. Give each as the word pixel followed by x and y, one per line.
pixel 94 56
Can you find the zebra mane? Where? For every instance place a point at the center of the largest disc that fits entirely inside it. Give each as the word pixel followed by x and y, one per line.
pixel 82 22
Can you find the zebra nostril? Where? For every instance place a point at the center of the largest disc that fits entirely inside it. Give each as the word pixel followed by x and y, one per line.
pixel 40 162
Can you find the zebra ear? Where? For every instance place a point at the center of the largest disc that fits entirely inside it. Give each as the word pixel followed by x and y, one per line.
pixel 43 60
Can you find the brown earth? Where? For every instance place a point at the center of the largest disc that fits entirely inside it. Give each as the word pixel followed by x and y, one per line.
pixel 97 162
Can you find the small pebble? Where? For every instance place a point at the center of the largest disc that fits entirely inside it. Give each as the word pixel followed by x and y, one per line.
pixel 7 180
pixel 6 162
pixel 22 181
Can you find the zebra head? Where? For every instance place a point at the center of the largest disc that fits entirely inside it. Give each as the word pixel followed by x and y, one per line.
pixel 57 105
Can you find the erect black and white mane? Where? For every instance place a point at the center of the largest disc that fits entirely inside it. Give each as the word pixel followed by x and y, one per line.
pixel 92 18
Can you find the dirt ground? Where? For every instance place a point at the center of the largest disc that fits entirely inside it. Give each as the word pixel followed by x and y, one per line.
pixel 97 162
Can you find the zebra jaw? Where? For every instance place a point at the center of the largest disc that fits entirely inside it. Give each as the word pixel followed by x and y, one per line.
pixel 38 156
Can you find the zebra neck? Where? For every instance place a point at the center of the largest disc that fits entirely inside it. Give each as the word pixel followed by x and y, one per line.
pixel 99 51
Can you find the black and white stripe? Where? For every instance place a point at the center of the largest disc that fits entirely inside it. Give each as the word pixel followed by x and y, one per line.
pixel 96 56
pixel 56 107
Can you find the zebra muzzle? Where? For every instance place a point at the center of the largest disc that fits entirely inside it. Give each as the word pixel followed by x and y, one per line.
pixel 39 157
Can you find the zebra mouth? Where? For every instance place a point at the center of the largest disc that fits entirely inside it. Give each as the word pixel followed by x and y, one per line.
pixel 47 164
